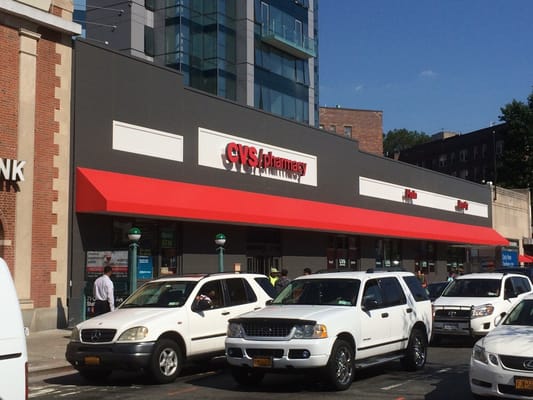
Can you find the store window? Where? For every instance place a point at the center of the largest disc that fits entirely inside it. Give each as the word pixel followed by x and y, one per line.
pixel 388 253
pixel 455 259
pixel 427 255
pixel 343 252
pixel 159 251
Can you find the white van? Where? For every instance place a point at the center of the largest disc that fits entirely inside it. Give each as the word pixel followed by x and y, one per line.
pixel 13 352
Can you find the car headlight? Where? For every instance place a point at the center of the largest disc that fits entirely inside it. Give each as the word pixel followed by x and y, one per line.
pixel 480 354
pixel 133 334
pixel 317 331
pixel 75 335
pixel 482 310
pixel 235 330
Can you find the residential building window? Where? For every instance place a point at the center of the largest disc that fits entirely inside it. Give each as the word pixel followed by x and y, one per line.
pixel 332 128
pixel 443 160
pixel 463 155
pixel 499 147
pixel 321 126
pixel 348 131
pixel 484 150
pixel 476 152
pixel 463 174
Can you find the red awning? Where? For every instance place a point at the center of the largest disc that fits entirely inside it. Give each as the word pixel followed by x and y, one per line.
pixel 524 258
pixel 110 192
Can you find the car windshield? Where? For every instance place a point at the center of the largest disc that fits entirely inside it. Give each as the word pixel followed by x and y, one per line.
pixel 522 314
pixel 340 292
pixel 435 289
pixel 473 288
pixel 164 294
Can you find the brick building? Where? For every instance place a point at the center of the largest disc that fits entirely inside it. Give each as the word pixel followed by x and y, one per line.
pixel 365 126
pixel 35 88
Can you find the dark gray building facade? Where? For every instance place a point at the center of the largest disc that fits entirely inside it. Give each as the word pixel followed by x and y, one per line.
pixel 183 165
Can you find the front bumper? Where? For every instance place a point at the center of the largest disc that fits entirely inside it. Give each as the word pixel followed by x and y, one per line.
pixel 493 380
pixel 125 356
pixel 474 327
pixel 293 354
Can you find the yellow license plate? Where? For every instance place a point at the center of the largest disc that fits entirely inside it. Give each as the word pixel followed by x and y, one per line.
pixel 263 362
pixel 523 383
pixel 91 360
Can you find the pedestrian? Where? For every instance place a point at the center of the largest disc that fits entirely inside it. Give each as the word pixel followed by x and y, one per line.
pixel 274 275
pixel 282 281
pixel 103 292
pixel 307 271
pixel 422 277
pixel 206 298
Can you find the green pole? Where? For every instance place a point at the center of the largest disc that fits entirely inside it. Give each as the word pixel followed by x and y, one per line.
pixel 133 267
pixel 221 259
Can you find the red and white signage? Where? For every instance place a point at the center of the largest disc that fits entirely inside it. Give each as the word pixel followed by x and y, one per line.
pixel 223 151
pixel 420 198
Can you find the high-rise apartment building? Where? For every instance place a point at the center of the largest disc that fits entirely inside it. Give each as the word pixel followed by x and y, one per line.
pixel 262 53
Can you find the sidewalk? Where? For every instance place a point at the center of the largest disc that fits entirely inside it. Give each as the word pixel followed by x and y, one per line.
pixel 46 350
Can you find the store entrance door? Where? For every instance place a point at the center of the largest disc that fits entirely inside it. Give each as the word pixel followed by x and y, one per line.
pixel 262 264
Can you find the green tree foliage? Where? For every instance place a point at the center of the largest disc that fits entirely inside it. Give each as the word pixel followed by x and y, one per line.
pixel 397 140
pixel 515 168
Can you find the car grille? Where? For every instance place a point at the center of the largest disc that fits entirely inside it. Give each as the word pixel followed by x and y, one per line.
pixel 275 353
pixel 452 315
pixel 517 363
pixel 97 335
pixel 267 328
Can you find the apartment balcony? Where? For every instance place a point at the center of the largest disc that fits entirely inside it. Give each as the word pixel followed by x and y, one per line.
pixel 288 40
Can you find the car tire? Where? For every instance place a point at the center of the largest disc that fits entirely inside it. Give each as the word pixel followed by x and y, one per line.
pixel 166 362
pixel 247 376
pixel 416 352
pixel 340 369
pixel 94 374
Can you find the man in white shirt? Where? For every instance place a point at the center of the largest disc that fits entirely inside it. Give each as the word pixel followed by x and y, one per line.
pixel 103 292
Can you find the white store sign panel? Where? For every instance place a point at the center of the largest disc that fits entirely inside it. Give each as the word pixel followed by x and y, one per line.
pixel 236 154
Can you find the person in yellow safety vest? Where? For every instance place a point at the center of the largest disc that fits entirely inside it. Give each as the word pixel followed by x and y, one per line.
pixel 274 275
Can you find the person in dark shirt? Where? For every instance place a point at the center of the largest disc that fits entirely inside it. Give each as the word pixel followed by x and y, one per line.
pixel 282 281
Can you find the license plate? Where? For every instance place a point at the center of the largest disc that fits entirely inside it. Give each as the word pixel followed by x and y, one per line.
pixel 263 362
pixel 92 360
pixel 450 327
pixel 523 383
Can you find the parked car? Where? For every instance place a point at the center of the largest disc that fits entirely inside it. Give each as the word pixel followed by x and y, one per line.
pixel 435 289
pixel 527 271
pixel 470 303
pixel 13 351
pixel 501 364
pixel 333 323
pixel 165 323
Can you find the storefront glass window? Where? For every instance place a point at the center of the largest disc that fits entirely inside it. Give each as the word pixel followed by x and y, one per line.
pixel 427 255
pixel 388 253
pixel 342 252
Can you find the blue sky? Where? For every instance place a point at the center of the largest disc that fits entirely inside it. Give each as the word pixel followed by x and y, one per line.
pixel 429 65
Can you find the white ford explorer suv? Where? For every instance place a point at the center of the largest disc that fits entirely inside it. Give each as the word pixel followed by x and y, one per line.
pixel 333 323
pixel 164 323
pixel 470 304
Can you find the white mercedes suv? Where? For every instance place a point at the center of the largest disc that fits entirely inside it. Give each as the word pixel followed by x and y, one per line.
pixel 333 323
pixel 164 323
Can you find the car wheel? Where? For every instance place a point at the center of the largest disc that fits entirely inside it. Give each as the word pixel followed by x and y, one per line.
pixel 94 374
pixel 166 361
pixel 416 352
pixel 340 368
pixel 247 376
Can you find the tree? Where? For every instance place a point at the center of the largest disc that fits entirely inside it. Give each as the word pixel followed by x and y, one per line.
pixel 515 169
pixel 397 140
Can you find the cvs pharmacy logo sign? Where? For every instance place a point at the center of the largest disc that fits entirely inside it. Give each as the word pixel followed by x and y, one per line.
pixel 258 158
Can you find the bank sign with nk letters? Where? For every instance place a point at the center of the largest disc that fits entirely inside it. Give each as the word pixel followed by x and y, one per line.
pixel 12 170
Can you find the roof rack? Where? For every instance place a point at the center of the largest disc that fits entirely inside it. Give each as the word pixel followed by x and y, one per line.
pixel 390 269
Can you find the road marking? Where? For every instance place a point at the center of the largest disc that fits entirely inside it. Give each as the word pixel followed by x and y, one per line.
pixel 441 371
pixel 393 386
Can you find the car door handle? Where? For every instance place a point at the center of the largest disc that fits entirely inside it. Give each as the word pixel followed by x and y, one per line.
pixel 225 313
pixel 384 315
pixel 409 310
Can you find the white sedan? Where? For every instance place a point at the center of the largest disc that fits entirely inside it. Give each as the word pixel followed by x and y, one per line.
pixel 502 362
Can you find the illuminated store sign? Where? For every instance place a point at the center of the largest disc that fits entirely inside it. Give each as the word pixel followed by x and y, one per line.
pixel 240 155
pixel 11 170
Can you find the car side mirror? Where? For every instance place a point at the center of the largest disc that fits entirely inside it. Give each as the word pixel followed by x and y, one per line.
pixel 202 305
pixel 370 304
pixel 499 318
